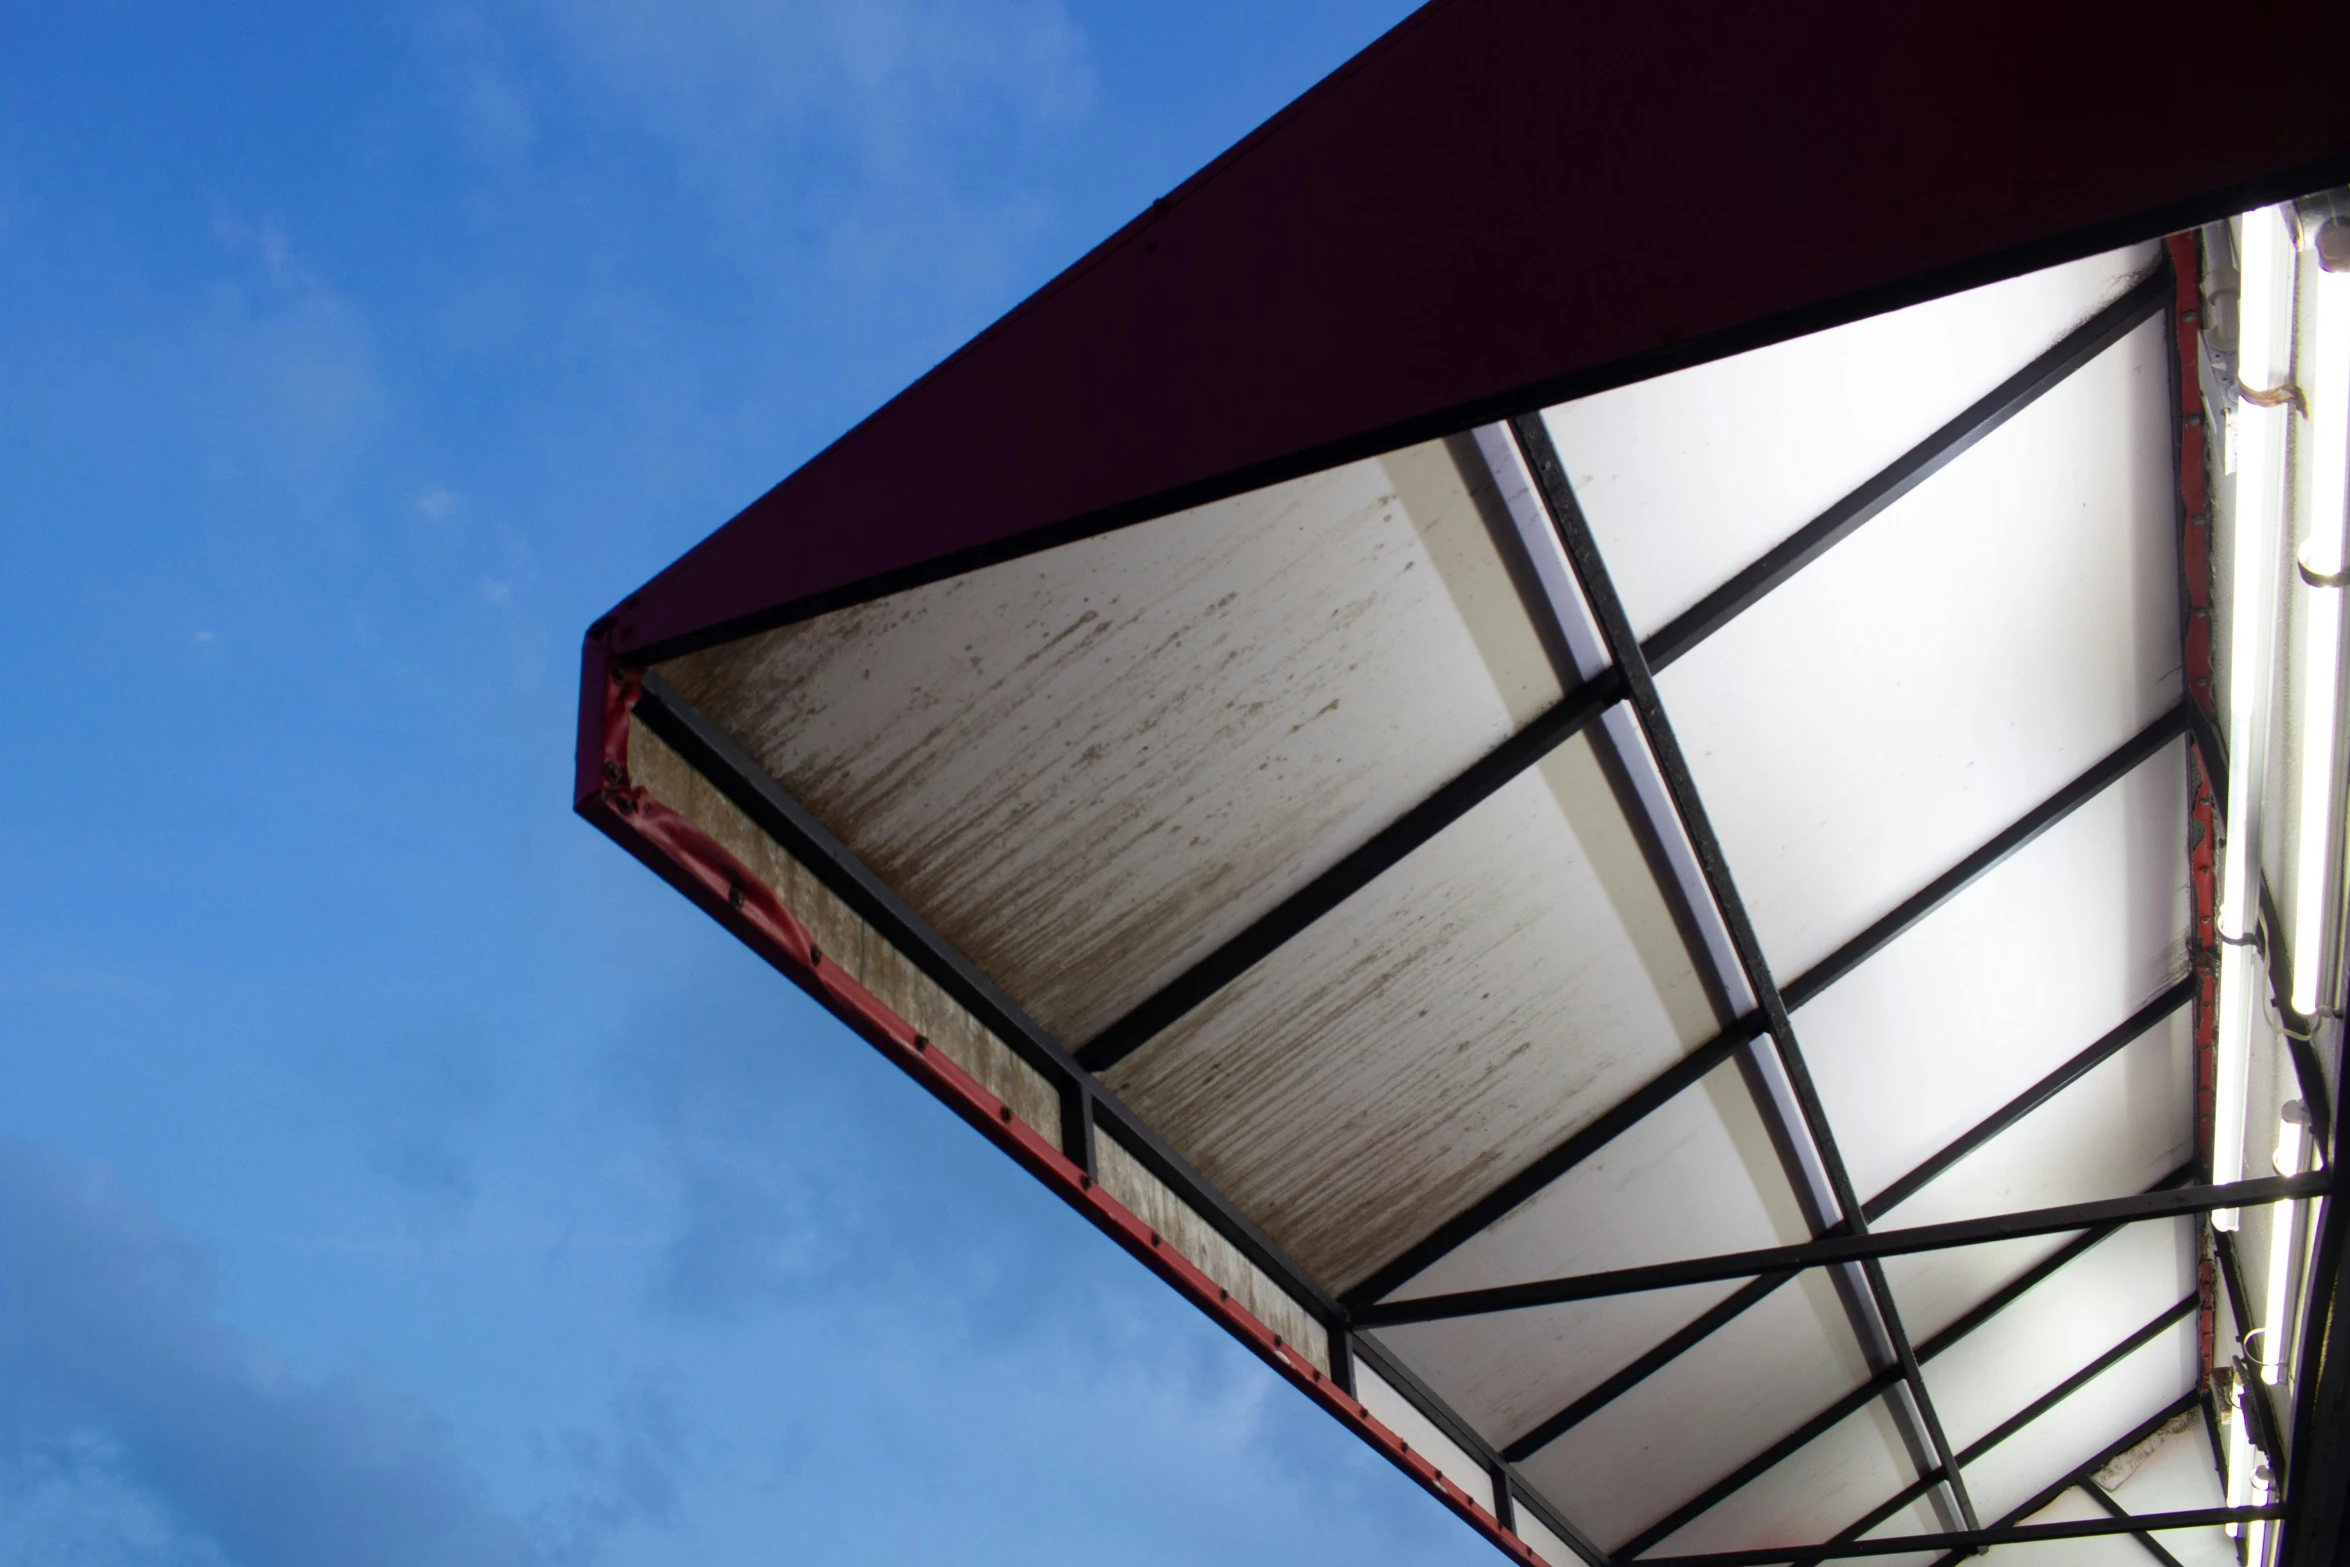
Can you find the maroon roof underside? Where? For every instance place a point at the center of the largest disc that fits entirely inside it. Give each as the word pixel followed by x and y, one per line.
pixel 1507 199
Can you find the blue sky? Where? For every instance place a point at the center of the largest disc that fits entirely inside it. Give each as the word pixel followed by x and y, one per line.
pixel 390 1170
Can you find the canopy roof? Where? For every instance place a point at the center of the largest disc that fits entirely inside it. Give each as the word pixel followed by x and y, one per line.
pixel 1554 739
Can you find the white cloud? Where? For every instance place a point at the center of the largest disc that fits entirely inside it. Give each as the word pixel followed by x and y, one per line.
pixel 879 76
pixel 290 381
pixel 123 1395
pixel 851 137
pixel 439 505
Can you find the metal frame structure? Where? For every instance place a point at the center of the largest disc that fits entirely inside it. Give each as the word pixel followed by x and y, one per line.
pixel 1020 501
pixel 1842 1237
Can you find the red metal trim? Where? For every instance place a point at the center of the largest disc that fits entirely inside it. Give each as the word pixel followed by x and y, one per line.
pixel 2195 656
pixel 1513 199
pixel 587 760
pixel 2194 501
pixel 729 892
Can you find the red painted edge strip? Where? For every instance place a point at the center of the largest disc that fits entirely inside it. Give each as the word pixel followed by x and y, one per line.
pixel 725 889
pixel 2195 657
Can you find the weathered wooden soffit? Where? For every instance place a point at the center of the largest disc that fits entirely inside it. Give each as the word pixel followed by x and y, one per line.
pixel 1630 740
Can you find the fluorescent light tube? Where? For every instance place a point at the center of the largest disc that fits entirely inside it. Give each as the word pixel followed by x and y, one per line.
pixel 2324 556
pixel 2257 436
pixel 2279 1302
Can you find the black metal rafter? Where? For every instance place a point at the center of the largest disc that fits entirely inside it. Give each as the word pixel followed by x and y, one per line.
pixel 1654 1094
pixel 2167 1319
pixel 1084 1102
pixel 1155 1013
pixel 1086 1106
pixel 1836 1250
pixel 1510 1490
pixel 1967 1142
pixel 1851 1403
pixel 2184 1404
pixel 1624 654
pixel 1877 1387
pixel 1920 463
pixel 1361 866
pixel 2113 1509
pixel 2316 1494
pixel 1967 1542
pixel 1911 1492
pixel 1646 1365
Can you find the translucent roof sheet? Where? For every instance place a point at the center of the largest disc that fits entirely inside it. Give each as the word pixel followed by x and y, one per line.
pixel 1563 912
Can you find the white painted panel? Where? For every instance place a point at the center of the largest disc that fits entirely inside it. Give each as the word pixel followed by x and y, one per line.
pixel 1635 1201
pixel 1821 1488
pixel 2178 1452
pixel 1509 1372
pixel 1547 1545
pixel 1628 1203
pixel 1504 985
pixel 2008 980
pixel 1947 667
pixel 1088 767
pixel 1917 1518
pixel 2175 1473
pixel 2117 1131
pixel 2113 1550
pixel 2060 1327
pixel 1689 477
pixel 1392 1410
pixel 1703 1415
pixel 2132 1392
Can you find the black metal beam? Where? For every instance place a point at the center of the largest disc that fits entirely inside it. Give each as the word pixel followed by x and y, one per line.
pixel 2317 1480
pixel 1681 1517
pixel 1885 1509
pixel 1155 1013
pixel 1975 1317
pixel 2072 1071
pixel 2081 1477
pixel 1082 1102
pixel 2153 1547
pixel 1085 1103
pixel 1668 1350
pixel 2011 397
pixel 1624 653
pixel 1581 1145
pixel 2183 1404
pixel 1751 1294
pixel 1357 870
pixel 2118 764
pixel 1970 1541
pixel 2170 1317
pixel 1465 1436
pixel 1653 1095
pixel 1705 1501
pixel 1833 1250
pixel 708 749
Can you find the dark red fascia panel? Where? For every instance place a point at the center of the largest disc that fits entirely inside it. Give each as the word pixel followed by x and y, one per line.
pixel 1503 199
